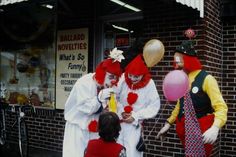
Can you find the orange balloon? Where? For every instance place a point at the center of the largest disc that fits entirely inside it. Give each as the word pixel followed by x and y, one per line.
pixel 153 52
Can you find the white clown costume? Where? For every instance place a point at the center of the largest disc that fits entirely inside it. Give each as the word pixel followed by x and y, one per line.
pixel 140 100
pixel 83 106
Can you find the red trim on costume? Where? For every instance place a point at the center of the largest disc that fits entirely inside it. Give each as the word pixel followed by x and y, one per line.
pixel 142 83
pixel 204 122
pixel 93 126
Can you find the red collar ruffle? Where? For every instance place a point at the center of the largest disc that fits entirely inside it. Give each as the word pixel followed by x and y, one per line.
pixel 146 78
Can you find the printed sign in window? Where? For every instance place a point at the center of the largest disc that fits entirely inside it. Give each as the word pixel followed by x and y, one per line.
pixel 72 61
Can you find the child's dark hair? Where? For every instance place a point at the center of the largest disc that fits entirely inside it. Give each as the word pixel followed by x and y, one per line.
pixel 109 126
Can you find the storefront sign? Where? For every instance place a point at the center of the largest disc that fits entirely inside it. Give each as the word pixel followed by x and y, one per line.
pixel 72 61
pixel 122 40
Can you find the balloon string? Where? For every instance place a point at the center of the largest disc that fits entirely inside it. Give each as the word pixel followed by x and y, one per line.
pixel 157 119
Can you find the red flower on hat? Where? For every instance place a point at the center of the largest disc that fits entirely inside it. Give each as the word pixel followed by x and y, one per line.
pixel 128 109
pixel 132 98
pixel 93 126
pixel 189 33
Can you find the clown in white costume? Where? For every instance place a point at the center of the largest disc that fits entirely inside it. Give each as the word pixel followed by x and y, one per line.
pixel 86 100
pixel 138 100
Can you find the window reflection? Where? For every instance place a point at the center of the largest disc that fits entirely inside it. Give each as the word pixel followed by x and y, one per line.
pixel 27 53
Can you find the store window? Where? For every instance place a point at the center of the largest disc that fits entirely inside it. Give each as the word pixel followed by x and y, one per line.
pixel 27 53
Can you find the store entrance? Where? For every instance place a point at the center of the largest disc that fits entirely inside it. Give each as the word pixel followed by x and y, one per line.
pixel 123 35
pixel 122 27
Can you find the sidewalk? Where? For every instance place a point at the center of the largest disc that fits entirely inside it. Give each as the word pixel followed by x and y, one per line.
pixel 33 152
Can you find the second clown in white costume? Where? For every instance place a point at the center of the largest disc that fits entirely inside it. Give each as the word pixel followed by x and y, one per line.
pixel 138 100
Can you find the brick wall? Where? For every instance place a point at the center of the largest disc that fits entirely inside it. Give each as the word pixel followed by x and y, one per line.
pixel 45 128
pixel 213 48
pixel 228 136
pixel 165 20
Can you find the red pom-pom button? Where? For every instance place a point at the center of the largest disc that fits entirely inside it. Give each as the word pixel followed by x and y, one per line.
pixel 128 109
pixel 93 126
pixel 132 98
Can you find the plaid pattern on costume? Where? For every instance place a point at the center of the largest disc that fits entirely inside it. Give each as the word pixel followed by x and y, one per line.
pixel 194 146
pixel 122 153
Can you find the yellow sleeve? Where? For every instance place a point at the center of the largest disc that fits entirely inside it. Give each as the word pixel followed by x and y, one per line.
pixel 174 114
pixel 210 86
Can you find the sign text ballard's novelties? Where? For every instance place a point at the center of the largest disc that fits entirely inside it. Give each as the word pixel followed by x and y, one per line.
pixel 72 61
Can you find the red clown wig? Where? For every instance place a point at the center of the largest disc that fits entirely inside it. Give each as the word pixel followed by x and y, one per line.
pixel 191 63
pixel 108 65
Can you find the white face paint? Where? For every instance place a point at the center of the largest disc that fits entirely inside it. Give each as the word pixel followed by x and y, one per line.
pixel 109 80
pixel 135 78
pixel 178 59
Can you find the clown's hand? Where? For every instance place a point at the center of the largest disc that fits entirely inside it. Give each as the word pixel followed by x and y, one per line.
pixel 162 133
pixel 125 115
pixel 105 94
pixel 211 134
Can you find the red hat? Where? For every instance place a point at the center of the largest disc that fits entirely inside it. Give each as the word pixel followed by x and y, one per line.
pixel 137 66
pixel 108 65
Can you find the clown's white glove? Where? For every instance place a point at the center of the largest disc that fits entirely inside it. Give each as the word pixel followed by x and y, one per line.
pixel 211 134
pixel 105 94
pixel 162 133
